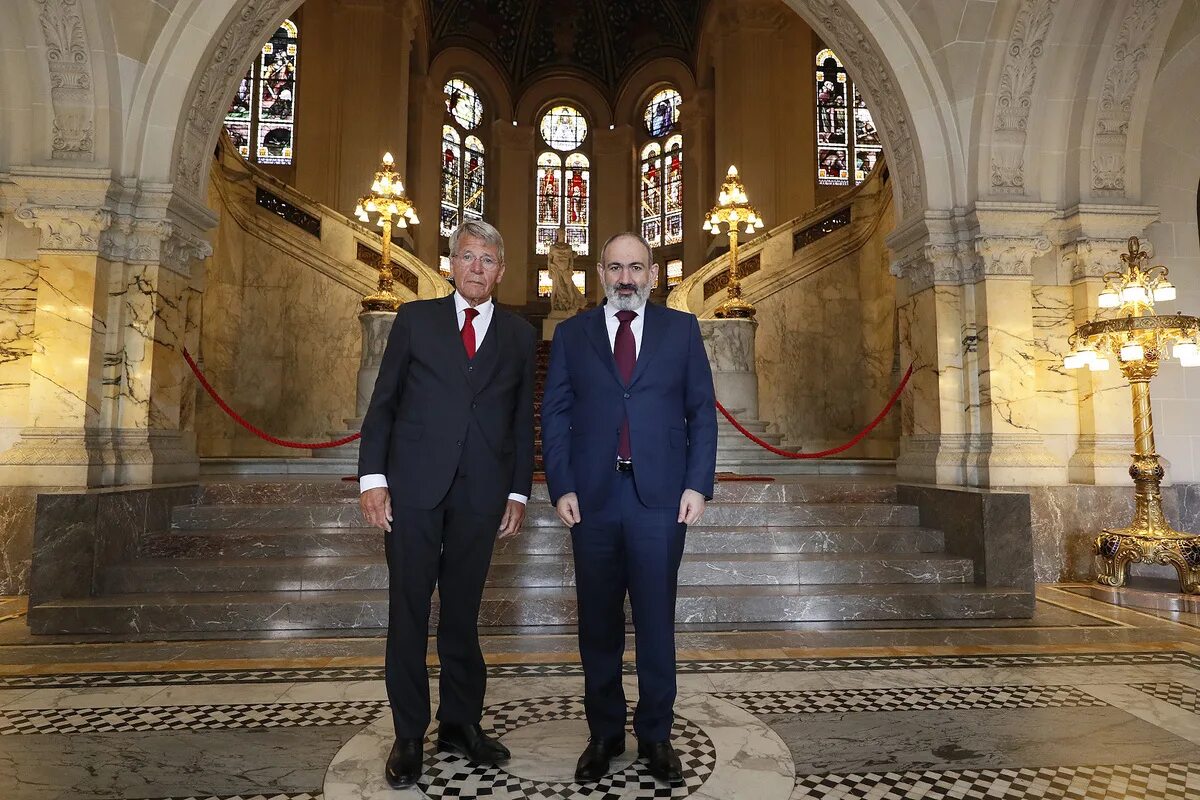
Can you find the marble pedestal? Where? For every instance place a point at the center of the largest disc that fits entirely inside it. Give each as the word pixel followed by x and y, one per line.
pixel 376 326
pixel 551 322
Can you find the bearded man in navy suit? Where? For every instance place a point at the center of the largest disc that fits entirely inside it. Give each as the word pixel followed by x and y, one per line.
pixel 629 438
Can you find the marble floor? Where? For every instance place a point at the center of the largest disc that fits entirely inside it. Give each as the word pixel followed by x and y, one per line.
pixel 1090 699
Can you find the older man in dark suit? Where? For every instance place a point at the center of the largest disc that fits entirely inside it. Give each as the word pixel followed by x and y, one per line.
pixel 446 463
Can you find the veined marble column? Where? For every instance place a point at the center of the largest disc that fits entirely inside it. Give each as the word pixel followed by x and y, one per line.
pixel 107 382
pixel 933 426
pixel 1008 449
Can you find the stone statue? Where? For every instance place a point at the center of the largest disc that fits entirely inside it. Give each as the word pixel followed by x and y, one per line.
pixel 564 296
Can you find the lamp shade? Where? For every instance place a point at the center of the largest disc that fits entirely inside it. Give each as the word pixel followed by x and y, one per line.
pixel 1164 291
pixel 1132 351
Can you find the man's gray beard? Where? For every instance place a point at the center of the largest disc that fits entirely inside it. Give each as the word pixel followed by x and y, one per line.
pixel 633 302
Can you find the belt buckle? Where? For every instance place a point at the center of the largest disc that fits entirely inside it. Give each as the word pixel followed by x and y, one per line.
pixel 624 465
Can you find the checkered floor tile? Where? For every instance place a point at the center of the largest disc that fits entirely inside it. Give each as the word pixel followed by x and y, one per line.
pixel 1120 782
pixel 104 679
pixel 447 775
pixel 188 718
pixel 922 698
pixel 1177 694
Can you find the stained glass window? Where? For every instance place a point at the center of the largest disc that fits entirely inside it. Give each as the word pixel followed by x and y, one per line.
pixel 546 283
pixel 867 145
pixel 563 185
pixel 661 170
pixel 463 157
pixel 564 128
pixel 838 144
pixel 261 120
pixel 674 272
pixel 662 113
pixel 463 103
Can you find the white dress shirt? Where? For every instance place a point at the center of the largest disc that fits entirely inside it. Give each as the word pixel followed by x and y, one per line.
pixel 610 319
pixel 482 321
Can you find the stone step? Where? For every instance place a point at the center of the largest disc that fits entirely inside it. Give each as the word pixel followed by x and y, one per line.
pixel 318 542
pixel 717 515
pixel 843 490
pixel 370 572
pixel 323 610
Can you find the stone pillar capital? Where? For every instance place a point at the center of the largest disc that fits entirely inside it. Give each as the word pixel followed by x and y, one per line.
pixel 1093 236
pixel 65 229
pixel 1006 256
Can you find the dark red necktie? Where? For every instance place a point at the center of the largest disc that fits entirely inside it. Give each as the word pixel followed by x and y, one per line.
pixel 468 331
pixel 625 354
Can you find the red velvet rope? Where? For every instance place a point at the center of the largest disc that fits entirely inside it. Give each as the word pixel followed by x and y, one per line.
pixel 858 437
pixel 256 431
pixel 347 439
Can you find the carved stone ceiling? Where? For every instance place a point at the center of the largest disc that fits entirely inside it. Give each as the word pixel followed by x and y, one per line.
pixel 601 40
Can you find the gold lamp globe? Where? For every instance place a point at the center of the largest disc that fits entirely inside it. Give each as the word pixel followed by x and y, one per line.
pixel 733 209
pixel 393 207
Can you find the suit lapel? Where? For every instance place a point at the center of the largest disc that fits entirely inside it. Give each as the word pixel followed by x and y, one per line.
pixel 449 322
pixel 653 325
pixel 597 328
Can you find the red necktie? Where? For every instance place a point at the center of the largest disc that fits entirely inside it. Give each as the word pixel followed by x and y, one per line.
pixel 468 331
pixel 625 354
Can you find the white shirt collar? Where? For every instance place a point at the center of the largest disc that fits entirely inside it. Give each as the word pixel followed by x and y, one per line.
pixel 460 303
pixel 610 310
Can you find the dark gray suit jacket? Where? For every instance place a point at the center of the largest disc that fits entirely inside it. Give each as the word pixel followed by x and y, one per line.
pixel 435 413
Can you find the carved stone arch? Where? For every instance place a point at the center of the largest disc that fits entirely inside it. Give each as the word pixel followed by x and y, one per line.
pixel 480 72
pixel 1113 127
pixel 892 67
pixel 536 99
pixel 640 85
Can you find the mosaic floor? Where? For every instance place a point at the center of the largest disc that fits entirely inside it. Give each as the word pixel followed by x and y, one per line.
pixel 1087 700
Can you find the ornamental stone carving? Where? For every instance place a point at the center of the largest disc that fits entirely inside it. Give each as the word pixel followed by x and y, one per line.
pixel 69 62
pixel 1126 69
pixel 66 229
pixel 218 81
pixel 1007 256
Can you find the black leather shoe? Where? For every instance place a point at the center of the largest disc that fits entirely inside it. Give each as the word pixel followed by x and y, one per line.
pixel 662 761
pixel 593 764
pixel 472 743
pixel 404 763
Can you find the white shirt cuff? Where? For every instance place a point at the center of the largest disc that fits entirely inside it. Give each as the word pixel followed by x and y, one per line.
pixel 372 481
pixel 520 498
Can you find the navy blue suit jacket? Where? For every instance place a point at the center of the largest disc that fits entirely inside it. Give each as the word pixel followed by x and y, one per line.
pixel 669 401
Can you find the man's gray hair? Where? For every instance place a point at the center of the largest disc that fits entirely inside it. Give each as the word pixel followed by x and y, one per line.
pixel 632 235
pixel 480 230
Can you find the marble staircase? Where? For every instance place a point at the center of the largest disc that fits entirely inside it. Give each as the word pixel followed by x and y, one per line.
pixel 294 555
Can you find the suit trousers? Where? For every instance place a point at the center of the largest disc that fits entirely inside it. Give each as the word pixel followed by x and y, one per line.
pixel 449 546
pixel 627 546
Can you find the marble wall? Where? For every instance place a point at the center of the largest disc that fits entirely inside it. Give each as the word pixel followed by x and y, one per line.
pixel 16 537
pixel 18 297
pixel 279 339
pixel 826 348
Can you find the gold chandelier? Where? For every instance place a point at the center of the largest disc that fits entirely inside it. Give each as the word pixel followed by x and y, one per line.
pixel 387 199
pixel 1138 339
pixel 733 208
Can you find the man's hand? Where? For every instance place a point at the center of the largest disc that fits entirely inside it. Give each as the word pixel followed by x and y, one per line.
pixel 568 509
pixel 376 505
pixel 691 507
pixel 514 515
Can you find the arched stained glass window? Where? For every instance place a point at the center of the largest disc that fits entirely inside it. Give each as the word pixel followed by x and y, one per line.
pixel 563 182
pixel 261 120
pixel 463 157
pixel 661 170
pixel 842 141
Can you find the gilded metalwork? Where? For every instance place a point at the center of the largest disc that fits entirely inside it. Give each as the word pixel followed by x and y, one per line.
pixel 1138 339
pixel 733 208
pixel 387 199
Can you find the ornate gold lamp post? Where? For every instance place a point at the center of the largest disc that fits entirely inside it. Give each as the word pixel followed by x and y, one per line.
pixel 1138 339
pixel 387 199
pixel 733 208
